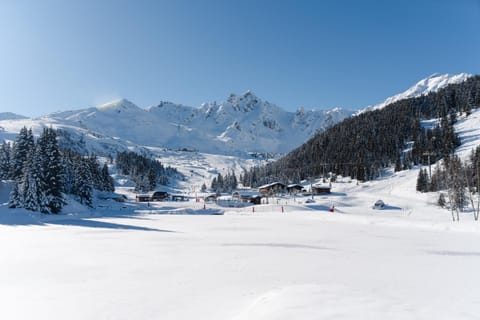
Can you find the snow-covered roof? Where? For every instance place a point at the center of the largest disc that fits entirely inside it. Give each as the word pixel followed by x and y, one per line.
pixel 265 186
pixel 245 193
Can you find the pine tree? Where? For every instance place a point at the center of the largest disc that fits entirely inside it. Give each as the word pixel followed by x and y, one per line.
pixel 23 145
pixel 441 200
pixel 83 184
pixel 5 156
pixel 51 158
pixel 108 183
pixel 214 184
pixel 29 191
pixel 420 181
pixel 15 199
pixel 152 179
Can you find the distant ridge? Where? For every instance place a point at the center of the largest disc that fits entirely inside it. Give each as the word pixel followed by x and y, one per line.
pixel 11 116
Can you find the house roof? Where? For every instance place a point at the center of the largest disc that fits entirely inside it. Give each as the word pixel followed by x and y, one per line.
pixel 271 185
pixel 295 185
pixel 244 193
pixel 321 186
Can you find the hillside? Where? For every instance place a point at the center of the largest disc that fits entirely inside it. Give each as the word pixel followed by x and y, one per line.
pixel 362 146
pixel 425 86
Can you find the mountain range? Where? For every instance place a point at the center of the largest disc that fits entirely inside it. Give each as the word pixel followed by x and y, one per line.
pixel 241 124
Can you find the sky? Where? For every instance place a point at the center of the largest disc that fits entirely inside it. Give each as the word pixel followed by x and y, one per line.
pixel 62 55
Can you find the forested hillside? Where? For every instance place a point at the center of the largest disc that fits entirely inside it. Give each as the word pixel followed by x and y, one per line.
pixel 362 145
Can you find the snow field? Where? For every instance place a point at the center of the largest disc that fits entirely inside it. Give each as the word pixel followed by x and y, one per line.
pixel 174 260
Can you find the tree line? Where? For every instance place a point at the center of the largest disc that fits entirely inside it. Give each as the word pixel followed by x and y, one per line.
pixel 226 183
pixel 42 173
pixel 144 171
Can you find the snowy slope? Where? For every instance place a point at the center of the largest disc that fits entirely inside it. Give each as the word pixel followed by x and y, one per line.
pixel 431 84
pixel 72 136
pixel 10 116
pixel 468 129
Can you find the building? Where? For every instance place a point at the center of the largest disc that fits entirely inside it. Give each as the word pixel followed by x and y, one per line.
pixel 272 188
pixel 142 198
pixel 178 197
pixel 211 198
pixel 159 196
pixel 247 197
pixel 321 189
pixel 294 188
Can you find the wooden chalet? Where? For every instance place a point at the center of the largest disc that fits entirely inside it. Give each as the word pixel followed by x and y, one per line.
pixel 247 197
pixel 178 197
pixel 272 188
pixel 159 196
pixel 111 196
pixel 294 188
pixel 211 198
pixel 143 198
pixel 321 189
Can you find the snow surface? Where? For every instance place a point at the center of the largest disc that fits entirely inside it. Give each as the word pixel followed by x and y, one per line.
pixel 177 260
pixel 289 259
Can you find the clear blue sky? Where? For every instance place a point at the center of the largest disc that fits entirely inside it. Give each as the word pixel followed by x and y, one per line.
pixel 65 54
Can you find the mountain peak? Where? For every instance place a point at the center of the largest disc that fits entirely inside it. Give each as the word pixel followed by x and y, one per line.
pixel 245 102
pixel 120 104
pixel 11 116
pixel 433 83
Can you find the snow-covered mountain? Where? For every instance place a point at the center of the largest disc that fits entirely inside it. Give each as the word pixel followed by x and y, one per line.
pixel 433 83
pixel 10 116
pixel 243 123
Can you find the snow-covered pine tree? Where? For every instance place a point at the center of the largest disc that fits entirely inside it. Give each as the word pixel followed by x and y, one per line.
pixel 15 199
pixel 29 184
pixel 107 180
pixel 50 170
pixel 69 172
pixel 214 184
pixel 83 185
pixel 28 188
pixel 5 157
pixel 152 179
pixel 422 181
pixel 24 143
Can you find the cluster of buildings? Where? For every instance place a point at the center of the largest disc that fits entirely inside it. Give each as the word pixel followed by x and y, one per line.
pixel 243 196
